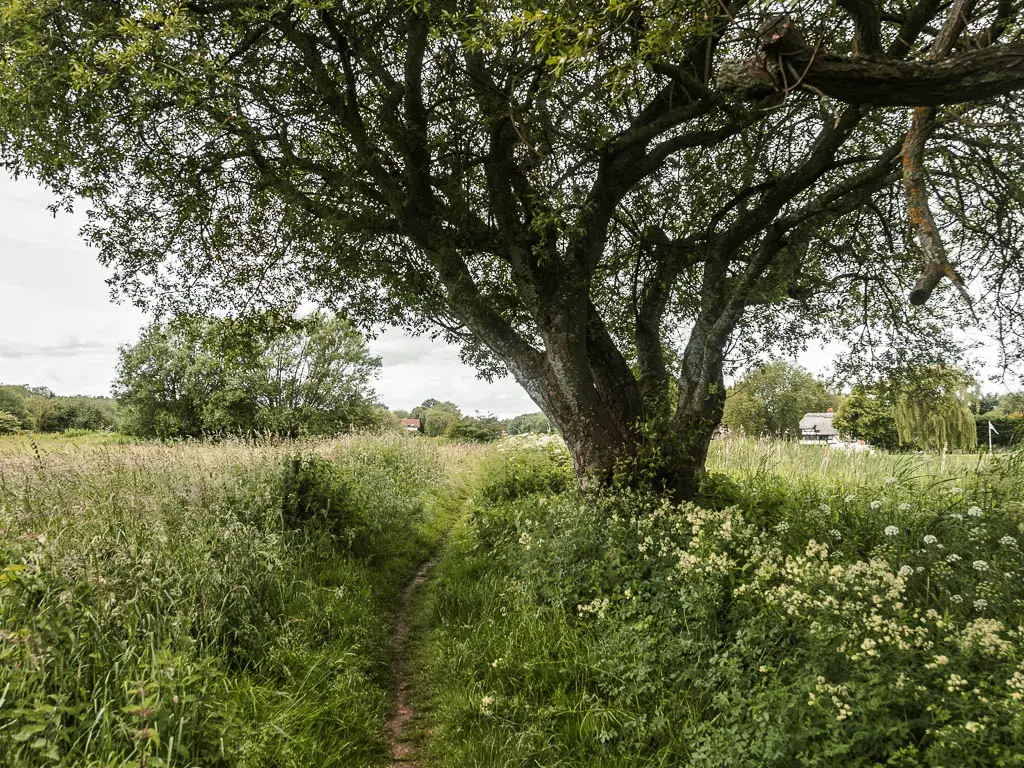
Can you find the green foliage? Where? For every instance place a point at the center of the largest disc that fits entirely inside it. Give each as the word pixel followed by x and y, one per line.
pixel 9 423
pixel 529 179
pixel 193 376
pixel 60 414
pixel 1009 430
pixel 476 429
pixel 932 410
pixel 773 398
pixel 436 417
pixel 810 623
pixel 530 424
pixel 1007 404
pixel 13 402
pixel 185 616
pixel 511 473
pixel 867 414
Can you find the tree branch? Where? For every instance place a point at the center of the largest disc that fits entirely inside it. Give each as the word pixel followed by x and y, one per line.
pixel 868 22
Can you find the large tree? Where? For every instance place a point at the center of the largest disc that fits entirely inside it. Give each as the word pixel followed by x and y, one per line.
pixel 193 376
pixel 773 399
pixel 933 410
pixel 601 198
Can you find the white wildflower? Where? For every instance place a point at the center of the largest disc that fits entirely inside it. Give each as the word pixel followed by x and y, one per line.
pixel 956 598
pixel 980 565
pixel 980 604
pixel 929 539
pixel 906 571
pixel 891 530
pixel 1008 541
pixel 876 504
pixel 835 534
pixel 849 497
pixel 782 527
pixel 953 558
pixel 904 507
pixel 974 511
pixel 890 481
pixel 956 490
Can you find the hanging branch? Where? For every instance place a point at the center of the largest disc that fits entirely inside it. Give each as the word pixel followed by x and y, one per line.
pixel 936 260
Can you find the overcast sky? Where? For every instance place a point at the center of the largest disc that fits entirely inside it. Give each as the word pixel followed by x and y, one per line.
pixel 60 329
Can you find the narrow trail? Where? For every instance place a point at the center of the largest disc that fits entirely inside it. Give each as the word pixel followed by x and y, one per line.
pixel 402 750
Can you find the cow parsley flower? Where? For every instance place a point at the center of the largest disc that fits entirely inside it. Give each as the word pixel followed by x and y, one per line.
pixel 906 571
pixel 974 511
pixel 980 604
pixel 953 558
pixel 849 497
pixel 929 540
pixel 876 504
pixel 980 565
pixel 904 507
pixel 1008 541
pixel 891 530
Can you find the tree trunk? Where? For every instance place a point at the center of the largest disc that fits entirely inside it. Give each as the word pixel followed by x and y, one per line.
pixel 630 443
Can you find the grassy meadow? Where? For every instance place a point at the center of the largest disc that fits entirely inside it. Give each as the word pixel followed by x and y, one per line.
pixel 809 610
pixel 229 604
pixel 208 605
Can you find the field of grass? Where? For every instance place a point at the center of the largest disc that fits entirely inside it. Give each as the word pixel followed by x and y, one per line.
pixel 865 611
pixel 227 604
pixel 208 605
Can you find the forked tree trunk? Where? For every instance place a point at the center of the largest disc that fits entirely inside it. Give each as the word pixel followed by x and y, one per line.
pixel 641 448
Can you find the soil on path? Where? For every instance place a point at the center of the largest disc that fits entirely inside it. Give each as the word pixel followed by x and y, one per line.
pixel 402 750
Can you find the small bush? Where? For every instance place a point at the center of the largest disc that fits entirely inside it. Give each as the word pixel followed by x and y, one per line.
pixel 9 424
pixel 517 472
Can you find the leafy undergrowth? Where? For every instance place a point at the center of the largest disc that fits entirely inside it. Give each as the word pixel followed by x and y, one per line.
pixel 204 605
pixel 786 622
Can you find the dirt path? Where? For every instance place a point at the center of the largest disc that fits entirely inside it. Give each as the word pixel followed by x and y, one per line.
pixel 402 750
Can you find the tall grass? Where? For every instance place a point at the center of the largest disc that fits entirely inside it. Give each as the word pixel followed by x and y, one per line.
pixel 208 605
pixel 748 458
pixel 864 612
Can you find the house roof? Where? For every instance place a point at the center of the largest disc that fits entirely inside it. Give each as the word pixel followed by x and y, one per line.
pixel 818 424
pixel 411 423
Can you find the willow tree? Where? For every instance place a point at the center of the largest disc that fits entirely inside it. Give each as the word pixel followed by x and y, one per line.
pixel 933 411
pixel 611 200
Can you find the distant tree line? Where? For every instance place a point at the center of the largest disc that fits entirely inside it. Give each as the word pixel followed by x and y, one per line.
pixel 444 419
pixel 26 408
pixel 936 407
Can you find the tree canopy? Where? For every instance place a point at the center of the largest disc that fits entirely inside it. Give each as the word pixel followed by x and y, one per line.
pixel 867 414
pixel 773 398
pixel 436 417
pixel 529 423
pixel 612 201
pixel 934 411
pixel 191 376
